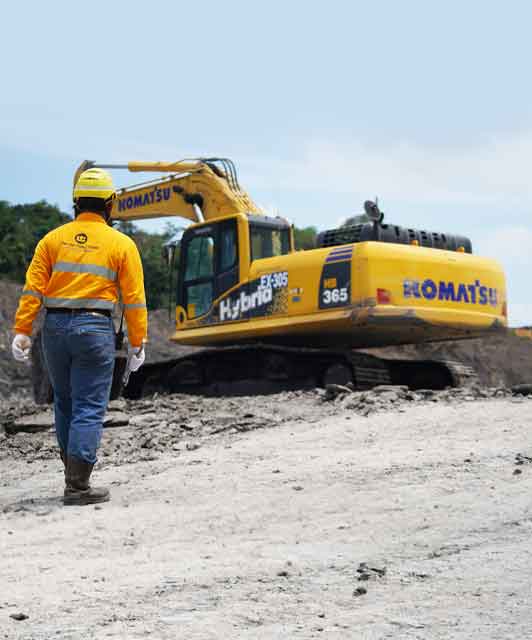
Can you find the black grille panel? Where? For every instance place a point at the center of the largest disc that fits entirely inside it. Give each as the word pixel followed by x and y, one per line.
pixel 393 234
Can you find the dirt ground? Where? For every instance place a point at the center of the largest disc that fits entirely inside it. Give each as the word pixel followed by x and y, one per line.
pixel 414 522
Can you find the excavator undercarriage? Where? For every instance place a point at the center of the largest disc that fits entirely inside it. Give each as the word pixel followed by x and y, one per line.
pixel 262 368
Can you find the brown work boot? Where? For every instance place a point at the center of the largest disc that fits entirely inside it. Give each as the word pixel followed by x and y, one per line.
pixel 78 491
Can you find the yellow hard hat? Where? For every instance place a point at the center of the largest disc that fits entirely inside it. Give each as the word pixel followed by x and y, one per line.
pixel 94 183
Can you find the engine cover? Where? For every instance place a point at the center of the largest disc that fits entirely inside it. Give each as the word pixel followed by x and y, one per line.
pixel 376 232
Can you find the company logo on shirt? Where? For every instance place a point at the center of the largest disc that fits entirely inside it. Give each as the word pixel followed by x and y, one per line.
pixel 81 238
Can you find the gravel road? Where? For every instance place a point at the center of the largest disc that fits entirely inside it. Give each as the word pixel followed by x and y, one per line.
pixel 322 521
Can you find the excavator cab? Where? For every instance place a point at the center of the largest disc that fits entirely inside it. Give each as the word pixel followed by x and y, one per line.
pixel 215 260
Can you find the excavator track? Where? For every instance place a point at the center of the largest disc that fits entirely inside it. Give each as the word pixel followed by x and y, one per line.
pixel 463 375
pixel 260 369
pixel 369 371
pixel 256 369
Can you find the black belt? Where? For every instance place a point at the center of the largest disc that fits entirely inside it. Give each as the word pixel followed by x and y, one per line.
pixel 102 312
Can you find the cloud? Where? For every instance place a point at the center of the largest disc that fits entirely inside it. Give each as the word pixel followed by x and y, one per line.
pixel 496 170
pixel 493 171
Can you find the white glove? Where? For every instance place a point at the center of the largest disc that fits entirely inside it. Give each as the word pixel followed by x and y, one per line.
pixel 21 347
pixel 135 358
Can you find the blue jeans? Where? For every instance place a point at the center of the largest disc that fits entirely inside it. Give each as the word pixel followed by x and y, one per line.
pixel 79 351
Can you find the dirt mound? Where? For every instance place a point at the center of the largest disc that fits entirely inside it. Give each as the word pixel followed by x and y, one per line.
pixel 160 328
pixel 503 360
pixel 14 376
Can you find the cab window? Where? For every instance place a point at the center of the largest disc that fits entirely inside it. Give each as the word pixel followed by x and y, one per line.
pixel 267 242
pixel 199 299
pixel 209 266
pixel 198 275
pixel 200 258
pixel 228 252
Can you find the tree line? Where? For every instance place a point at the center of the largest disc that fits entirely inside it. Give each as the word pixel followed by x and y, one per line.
pixel 23 225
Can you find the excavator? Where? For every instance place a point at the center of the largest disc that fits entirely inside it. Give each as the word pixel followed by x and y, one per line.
pixel 261 310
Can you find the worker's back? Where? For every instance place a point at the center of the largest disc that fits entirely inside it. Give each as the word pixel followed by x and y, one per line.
pixel 85 264
pixel 78 251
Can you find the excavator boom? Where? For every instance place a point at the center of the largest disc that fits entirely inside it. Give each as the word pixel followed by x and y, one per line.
pixel 197 190
pixel 158 198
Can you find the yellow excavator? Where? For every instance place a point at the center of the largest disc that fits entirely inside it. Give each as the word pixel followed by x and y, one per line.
pixel 265 311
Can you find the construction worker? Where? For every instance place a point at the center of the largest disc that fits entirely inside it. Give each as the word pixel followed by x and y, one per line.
pixel 77 273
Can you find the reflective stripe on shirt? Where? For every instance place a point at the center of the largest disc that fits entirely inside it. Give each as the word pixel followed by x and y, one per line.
pixel 135 305
pixel 79 303
pixel 29 292
pixel 76 267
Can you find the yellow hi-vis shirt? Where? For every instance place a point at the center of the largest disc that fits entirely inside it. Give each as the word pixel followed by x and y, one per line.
pixel 84 264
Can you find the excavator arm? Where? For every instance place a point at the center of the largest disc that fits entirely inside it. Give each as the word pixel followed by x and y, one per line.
pixel 197 190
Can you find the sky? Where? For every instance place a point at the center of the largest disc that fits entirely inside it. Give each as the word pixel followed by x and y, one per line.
pixel 321 105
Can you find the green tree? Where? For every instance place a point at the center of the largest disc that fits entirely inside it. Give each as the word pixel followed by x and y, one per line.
pixel 21 228
pixel 305 238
